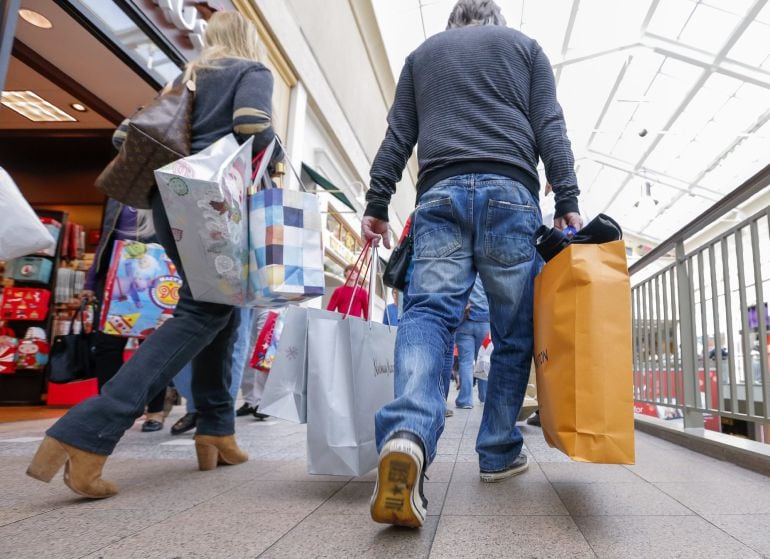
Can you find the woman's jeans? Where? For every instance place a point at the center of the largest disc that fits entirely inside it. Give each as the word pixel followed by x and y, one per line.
pixel 469 337
pixel 465 225
pixel 203 333
pixel 183 381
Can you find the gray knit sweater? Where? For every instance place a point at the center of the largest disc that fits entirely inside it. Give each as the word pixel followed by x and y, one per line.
pixel 475 100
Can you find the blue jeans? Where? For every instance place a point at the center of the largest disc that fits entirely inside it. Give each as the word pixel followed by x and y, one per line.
pixel 241 352
pixel 183 381
pixel 203 333
pixel 466 225
pixel 468 337
pixel 183 385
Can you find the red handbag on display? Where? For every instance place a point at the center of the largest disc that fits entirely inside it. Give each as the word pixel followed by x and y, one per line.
pixel 24 303
pixel 9 345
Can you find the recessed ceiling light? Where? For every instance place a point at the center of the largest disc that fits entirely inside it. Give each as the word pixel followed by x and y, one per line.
pixel 34 18
pixel 79 107
pixel 30 105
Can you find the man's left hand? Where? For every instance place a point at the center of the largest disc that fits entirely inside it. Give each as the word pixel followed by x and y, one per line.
pixel 571 219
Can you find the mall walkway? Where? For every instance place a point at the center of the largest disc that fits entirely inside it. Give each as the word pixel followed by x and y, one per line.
pixel 673 503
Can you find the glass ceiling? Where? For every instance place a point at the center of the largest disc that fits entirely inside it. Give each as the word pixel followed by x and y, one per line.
pixel 674 93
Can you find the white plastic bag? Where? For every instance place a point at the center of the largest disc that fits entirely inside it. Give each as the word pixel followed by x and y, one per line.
pixel 21 232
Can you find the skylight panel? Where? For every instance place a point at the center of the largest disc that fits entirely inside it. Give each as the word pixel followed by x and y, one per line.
pixel 670 17
pixel 708 28
pixel 753 47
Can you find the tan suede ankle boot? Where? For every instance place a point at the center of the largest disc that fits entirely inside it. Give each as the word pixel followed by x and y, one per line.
pixel 82 470
pixel 213 451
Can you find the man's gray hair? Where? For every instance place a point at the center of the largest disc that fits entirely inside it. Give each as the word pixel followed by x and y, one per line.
pixel 475 12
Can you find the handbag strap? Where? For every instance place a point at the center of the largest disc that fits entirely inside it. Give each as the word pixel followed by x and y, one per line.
pixel 81 311
pixel 257 159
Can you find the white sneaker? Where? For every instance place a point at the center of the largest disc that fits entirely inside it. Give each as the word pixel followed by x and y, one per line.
pixel 398 496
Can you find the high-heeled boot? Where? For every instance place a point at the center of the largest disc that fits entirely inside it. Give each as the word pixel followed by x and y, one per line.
pixel 82 470
pixel 213 451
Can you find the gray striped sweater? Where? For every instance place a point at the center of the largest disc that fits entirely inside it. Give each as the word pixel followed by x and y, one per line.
pixel 475 100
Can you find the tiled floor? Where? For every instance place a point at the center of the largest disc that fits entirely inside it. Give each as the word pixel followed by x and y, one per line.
pixel 672 503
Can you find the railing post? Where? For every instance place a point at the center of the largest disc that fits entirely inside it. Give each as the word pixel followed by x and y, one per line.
pixel 693 419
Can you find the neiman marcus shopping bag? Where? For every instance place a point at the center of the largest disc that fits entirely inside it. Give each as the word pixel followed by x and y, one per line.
pixel 583 354
pixel 350 377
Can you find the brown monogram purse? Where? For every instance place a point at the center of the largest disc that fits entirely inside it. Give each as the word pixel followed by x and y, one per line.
pixel 157 135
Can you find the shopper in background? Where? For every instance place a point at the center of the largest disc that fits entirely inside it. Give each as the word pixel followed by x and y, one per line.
pixel 390 316
pixel 350 298
pixel 253 382
pixel 119 223
pixel 485 99
pixel 468 337
pixel 233 95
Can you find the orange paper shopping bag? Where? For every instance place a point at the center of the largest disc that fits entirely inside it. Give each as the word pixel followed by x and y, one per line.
pixel 583 353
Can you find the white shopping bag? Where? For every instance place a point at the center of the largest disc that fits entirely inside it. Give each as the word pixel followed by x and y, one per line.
pixel 204 196
pixel 285 394
pixel 21 232
pixel 350 377
pixel 483 361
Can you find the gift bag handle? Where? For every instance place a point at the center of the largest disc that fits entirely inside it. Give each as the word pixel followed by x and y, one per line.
pixel 257 160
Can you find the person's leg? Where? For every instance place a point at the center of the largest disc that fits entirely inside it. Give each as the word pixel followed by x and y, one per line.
pixel 211 392
pixel 240 351
pixel 439 288
pixel 508 264
pixel 465 340
pixel 480 330
pixel 183 383
pixel 97 424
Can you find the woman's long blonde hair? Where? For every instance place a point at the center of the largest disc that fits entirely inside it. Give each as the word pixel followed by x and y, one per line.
pixel 228 35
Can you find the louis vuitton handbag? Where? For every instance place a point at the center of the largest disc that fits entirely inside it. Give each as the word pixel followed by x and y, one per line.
pixel 157 135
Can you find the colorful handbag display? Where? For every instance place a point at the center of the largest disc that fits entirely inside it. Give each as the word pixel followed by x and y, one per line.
pixel 141 292
pixel 25 303
pixel 31 268
pixel 33 350
pixel 9 345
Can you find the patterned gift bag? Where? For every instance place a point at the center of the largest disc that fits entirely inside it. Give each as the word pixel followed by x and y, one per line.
pixel 286 252
pixel 204 196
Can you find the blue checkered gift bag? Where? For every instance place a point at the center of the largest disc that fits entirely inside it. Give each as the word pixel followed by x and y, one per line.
pixel 286 262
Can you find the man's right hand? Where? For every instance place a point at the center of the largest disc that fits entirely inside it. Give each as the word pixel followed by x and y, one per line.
pixel 373 229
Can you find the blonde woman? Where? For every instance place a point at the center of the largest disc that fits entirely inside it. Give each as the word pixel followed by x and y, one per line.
pixel 233 94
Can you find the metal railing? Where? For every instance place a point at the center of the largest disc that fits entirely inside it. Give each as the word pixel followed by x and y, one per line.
pixel 700 325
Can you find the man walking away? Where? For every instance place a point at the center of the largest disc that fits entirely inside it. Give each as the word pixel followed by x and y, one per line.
pixel 479 100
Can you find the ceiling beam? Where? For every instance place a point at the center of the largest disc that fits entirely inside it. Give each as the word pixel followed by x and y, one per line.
pixel 659 178
pixel 568 35
pixel 705 60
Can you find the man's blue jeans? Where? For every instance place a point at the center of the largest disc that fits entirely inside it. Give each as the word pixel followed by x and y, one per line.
pixel 468 337
pixel 464 225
